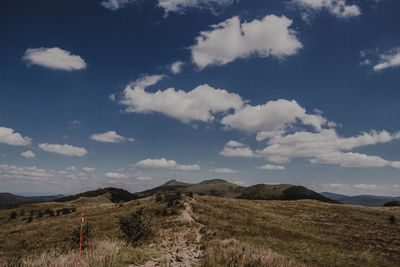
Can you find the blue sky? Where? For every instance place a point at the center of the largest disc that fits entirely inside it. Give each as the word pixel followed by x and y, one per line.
pixel 132 93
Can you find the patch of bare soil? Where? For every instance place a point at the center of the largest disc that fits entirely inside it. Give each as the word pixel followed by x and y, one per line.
pixel 181 246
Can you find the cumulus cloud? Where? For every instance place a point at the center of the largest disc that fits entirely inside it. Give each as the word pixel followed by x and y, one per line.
pixel 115 4
pixel 176 67
pixel 272 118
pixel 9 137
pixel 351 159
pixel 231 39
pixel 166 164
pixel 65 150
pixel 236 149
pixel 54 58
pixel 389 60
pixel 271 167
pixel 233 143
pixel 110 137
pixel 125 176
pixel 72 168
pixel 28 154
pixel 38 179
pixel 223 170
pixel 88 169
pixel 338 8
pixel 116 175
pixel 326 147
pixel 143 178
pixel 182 5
pixel 198 104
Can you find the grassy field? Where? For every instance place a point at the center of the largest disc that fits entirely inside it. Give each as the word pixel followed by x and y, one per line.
pixel 308 231
pixel 235 232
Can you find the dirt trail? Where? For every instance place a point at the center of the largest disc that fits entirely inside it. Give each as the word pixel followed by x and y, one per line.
pixel 180 249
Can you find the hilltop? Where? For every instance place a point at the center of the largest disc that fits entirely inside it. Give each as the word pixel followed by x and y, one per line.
pixel 222 188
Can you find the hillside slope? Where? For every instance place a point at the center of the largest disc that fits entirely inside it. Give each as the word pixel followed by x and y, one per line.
pixel 226 230
pixel 222 188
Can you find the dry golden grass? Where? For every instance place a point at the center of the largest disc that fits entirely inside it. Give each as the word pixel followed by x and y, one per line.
pixel 265 233
pixel 231 252
pixel 19 238
pixel 307 231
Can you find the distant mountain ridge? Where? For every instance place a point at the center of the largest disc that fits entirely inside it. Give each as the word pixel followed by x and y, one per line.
pixel 215 187
pixel 362 200
pixel 8 198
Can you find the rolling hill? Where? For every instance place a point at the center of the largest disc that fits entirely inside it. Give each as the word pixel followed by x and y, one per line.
pixel 222 188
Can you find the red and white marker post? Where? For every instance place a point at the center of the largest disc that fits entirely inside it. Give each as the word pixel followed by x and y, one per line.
pixel 80 241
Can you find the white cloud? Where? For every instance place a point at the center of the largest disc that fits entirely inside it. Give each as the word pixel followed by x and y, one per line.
pixel 233 143
pixel 351 159
pixel 272 118
pixel 182 5
pixel 271 167
pixel 231 39
pixel 166 164
pixel 236 149
pixel 66 150
pixel 72 168
pixel 143 178
pixel 115 4
pixel 199 104
pixel 88 169
pixel 9 137
pixel 389 60
pixel 338 8
pixel 326 147
pixel 110 137
pixel 176 67
pixel 223 170
pixel 28 154
pixel 54 58
pixel 40 179
pixel 116 175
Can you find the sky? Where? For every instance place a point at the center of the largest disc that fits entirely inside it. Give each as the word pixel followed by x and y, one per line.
pixel 133 93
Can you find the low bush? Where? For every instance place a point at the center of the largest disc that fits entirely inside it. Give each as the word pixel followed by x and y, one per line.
pixel 136 227
pixel 87 235
pixel 392 203
pixel 13 215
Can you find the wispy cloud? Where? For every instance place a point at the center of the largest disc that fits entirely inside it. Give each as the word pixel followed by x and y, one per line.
pixel 166 164
pixel 65 150
pixel 110 137
pixel 54 58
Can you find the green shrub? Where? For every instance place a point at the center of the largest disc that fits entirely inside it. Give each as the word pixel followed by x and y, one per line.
pixel 392 219
pixel 87 235
pixel 136 227
pixel 159 197
pixel 29 220
pixel 13 215
pixel 392 203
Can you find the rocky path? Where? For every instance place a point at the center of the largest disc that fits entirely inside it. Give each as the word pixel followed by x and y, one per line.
pixel 182 248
